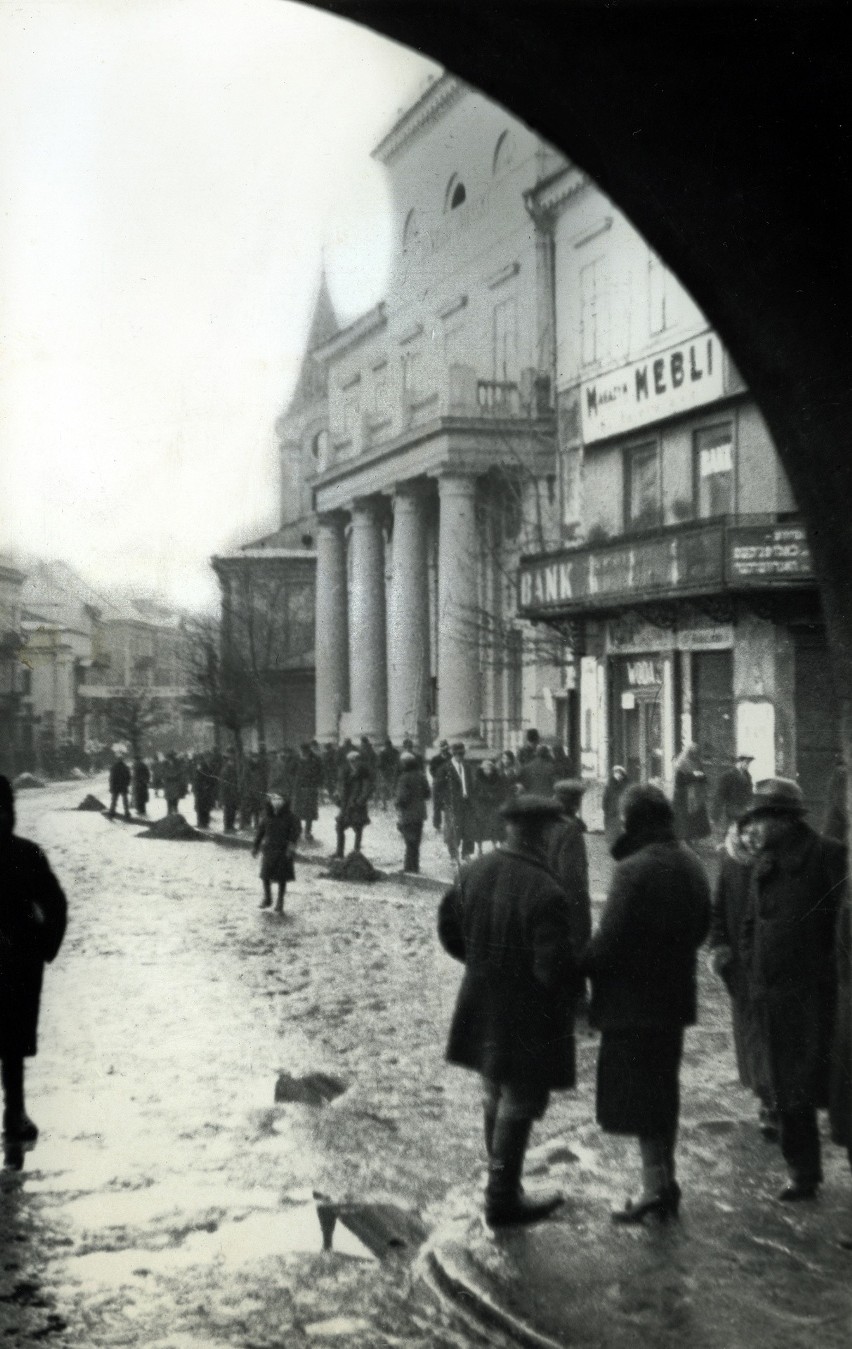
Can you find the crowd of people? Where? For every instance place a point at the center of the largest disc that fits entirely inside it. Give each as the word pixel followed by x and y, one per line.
pixel 778 926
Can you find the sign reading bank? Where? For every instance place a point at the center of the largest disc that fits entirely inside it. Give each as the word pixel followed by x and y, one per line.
pixel 684 377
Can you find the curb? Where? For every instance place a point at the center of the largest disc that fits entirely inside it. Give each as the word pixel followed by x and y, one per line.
pixel 448 1281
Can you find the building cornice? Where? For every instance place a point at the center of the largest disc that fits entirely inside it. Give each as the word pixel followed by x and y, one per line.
pixel 431 105
pixel 362 327
pixel 556 190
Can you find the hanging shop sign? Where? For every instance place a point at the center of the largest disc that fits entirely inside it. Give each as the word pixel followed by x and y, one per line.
pixel 671 564
pixel 758 554
pixel 674 381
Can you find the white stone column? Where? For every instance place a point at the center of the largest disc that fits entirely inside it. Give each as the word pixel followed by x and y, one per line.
pixel 408 639
pixel 331 638
pixel 367 651
pixel 458 613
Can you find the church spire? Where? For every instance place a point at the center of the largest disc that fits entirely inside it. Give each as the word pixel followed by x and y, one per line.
pixel 310 384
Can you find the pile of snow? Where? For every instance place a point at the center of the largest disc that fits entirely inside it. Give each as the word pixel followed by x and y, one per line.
pixel 77 774
pixel 25 781
pixel 171 827
pixel 91 803
pixel 355 867
pixel 313 1089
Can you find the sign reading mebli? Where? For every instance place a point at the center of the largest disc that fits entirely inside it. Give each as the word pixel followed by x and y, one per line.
pixel 684 377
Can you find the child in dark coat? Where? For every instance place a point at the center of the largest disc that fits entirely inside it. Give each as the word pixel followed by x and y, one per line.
pixel 275 840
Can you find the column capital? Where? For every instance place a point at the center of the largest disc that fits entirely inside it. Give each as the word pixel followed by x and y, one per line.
pixel 366 506
pixel 336 519
pixel 456 482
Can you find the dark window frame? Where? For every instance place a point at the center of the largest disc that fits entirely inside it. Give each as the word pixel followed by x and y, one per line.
pixel 628 453
pixel 729 422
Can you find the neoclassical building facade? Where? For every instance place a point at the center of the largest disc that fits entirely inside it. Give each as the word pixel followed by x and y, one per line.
pixel 430 462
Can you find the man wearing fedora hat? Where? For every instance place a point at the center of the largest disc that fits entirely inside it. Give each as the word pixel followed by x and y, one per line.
pixel 788 940
pixel 506 920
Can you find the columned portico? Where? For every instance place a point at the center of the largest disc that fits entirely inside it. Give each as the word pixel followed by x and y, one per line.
pixel 408 639
pixel 332 646
pixel 367 650
pixel 459 698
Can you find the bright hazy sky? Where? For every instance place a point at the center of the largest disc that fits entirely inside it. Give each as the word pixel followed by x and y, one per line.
pixel 170 171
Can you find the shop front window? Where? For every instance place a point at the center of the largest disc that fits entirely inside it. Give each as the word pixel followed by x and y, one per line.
pixel 714 471
pixel 643 497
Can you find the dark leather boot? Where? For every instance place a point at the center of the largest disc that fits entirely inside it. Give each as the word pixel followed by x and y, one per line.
pixel 506 1204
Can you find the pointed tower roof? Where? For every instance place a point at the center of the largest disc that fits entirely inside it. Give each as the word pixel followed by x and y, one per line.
pixel 310 384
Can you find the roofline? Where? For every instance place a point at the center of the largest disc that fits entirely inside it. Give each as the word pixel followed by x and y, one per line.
pixel 360 328
pixel 435 99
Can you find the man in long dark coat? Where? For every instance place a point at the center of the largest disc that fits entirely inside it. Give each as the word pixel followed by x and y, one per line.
pixel 789 944
pixel 141 783
pixel 569 862
pixel 507 921
pixel 455 784
pixel 354 789
pixel 307 790
pixel 733 792
pixel 33 913
pixel 119 786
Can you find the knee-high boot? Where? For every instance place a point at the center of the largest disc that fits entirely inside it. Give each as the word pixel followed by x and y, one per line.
pixel 505 1202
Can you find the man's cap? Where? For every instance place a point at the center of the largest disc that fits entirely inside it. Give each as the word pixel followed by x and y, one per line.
pixel 619 768
pixel 745 758
pixel 458 746
pixel 776 796
pixel 569 787
pixel 530 807
pixel 407 757
pixel 353 754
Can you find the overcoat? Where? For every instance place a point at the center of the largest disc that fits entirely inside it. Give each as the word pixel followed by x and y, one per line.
pixel 354 789
pixel 308 783
pixel 174 781
pixel 412 793
pixel 840 1100
pixel 568 860
pixel 489 793
pixel 642 962
pixel 730 901
pixel 538 776
pixel 33 912
pixel 611 803
pixel 789 945
pixel 119 777
pixel 642 959
pixel 689 803
pixel 732 795
pixel 506 920
pixel 276 834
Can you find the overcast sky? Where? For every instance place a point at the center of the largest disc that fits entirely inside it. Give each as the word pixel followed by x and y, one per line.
pixel 170 171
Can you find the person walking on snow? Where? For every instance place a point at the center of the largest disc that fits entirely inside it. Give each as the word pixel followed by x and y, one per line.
pixel 506 920
pixel 33 914
pixel 276 838
pixel 354 789
pixel 119 786
pixel 412 793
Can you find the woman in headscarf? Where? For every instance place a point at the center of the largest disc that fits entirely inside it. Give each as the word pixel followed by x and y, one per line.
pixel 275 840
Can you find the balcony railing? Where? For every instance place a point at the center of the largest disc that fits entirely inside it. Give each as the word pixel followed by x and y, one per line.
pixel 693 559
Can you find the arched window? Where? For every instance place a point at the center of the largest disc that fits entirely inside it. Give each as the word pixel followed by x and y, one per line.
pixel 409 229
pixel 504 152
pixel 456 193
pixel 319 445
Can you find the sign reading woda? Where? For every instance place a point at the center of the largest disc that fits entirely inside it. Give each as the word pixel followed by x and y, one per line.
pixel 676 380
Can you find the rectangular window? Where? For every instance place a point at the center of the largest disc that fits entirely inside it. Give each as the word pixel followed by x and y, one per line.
pixel 571 486
pixel 506 341
pixel 714 470
pixel 643 497
pixel 454 345
pixel 380 390
pixel 514 679
pixel 412 375
pixel 594 315
pixel 656 294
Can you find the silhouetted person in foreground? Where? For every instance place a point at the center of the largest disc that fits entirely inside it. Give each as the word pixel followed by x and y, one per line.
pixel 33 913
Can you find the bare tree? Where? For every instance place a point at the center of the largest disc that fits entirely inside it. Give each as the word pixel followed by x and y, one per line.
pixel 219 685
pixel 132 715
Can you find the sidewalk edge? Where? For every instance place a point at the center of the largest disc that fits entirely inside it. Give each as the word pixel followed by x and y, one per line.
pixel 450 1282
